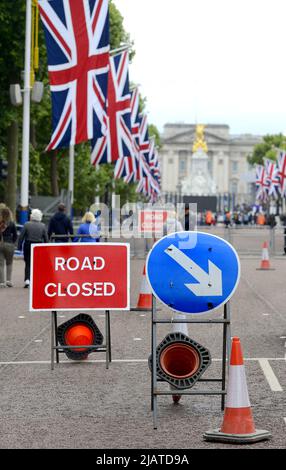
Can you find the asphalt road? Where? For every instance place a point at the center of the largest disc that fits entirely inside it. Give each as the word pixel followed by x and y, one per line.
pixel 86 406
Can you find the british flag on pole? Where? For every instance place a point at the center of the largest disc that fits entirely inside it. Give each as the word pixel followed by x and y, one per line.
pixel 272 177
pixel 282 171
pixel 116 145
pixel 77 39
pixel 262 185
pixel 143 169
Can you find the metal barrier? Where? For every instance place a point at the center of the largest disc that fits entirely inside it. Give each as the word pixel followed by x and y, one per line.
pixel 247 240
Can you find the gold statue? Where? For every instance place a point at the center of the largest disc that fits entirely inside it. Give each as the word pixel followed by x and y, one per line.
pixel 200 143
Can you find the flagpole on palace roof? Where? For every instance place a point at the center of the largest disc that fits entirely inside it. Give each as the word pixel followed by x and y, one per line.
pixel 24 213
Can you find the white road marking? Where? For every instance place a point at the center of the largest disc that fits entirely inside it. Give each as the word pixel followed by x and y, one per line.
pixel 266 314
pixel 284 420
pixel 137 339
pixel 142 315
pixel 270 376
pixel 130 361
pixel 21 316
pixel 38 341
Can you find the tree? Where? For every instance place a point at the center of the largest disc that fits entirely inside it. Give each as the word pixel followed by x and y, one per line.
pixel 267 149
pixel 48 171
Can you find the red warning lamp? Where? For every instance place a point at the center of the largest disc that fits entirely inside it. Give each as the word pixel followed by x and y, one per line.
pixel 79 331
pixel 78 335
pixel 180 361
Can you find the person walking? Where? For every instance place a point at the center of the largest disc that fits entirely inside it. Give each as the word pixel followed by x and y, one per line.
pixel 283 221
pixel 33 232
pixel 8 237
pixel 88 229
pixel 60 224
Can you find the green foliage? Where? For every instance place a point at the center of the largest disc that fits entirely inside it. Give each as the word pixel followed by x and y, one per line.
pixel 153 131
pixel 12 36
pixel 267 149
pixel 89 182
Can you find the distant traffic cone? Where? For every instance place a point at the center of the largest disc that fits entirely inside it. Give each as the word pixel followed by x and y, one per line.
pixel 145 296
pixel 265 263
pixel 238 425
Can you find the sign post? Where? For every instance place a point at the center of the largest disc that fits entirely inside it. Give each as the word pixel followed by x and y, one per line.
pixel 80 276
pixel 192 273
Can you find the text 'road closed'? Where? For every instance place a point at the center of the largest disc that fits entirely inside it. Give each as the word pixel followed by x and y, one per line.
pixel 80 276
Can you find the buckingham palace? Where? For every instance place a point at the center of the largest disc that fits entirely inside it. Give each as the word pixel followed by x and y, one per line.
pixel 203 160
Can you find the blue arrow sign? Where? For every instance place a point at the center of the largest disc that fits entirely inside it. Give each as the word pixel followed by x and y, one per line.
pixel 193 272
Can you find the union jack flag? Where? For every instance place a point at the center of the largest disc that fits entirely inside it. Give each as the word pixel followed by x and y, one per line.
pixel 77 39
pixel 135 126
pixel 272 178
pixel 282 171
pixel 262 185
pixel 143 168
pixel 117 144
pixel 154 176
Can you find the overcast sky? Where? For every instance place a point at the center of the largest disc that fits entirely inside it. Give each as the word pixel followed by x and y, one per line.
pixel 211 61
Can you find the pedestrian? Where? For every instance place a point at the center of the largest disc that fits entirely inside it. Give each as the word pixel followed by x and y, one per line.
pixel 227 218
pixel 172 224
pixel 33 232
pixel 209 218
pixel 8 237
pixel 283 221
pixel 88 229
pixel 60 224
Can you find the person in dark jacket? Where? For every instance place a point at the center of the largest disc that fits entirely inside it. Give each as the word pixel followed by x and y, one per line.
pixel 33 232
pixel 60 224
pixel 8 237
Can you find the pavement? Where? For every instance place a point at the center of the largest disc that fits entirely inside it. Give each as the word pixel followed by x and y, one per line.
pixel 83 405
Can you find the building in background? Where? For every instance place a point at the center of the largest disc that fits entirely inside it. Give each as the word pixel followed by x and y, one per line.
pixel 228 171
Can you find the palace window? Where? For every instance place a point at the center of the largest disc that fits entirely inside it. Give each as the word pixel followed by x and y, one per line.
pixel 234 167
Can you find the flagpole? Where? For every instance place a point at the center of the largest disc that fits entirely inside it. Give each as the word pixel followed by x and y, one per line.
pixel 120 49
pixel 71 181
pixel 24 212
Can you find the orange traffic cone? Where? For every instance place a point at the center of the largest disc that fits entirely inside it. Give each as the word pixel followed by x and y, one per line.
pixel 238 425
pixel 145 296
pixel 265 263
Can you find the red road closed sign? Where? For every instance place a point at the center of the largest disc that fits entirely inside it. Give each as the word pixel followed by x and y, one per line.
pixel 152 221
pixel 80 276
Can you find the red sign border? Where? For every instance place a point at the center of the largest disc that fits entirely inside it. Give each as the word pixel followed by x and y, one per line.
pixel 36 245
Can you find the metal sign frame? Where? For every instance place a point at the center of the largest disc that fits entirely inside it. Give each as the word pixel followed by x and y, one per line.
pixel 226 348
pixel 55 347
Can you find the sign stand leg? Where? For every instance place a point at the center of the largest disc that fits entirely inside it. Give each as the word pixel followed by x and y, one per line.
pixel 107 338
pixel 52 341
pixel 228 331
pixel 154 368
pixel 224 358
pixel 55 315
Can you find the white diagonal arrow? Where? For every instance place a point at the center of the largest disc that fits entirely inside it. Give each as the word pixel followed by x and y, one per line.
pixel 210 284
